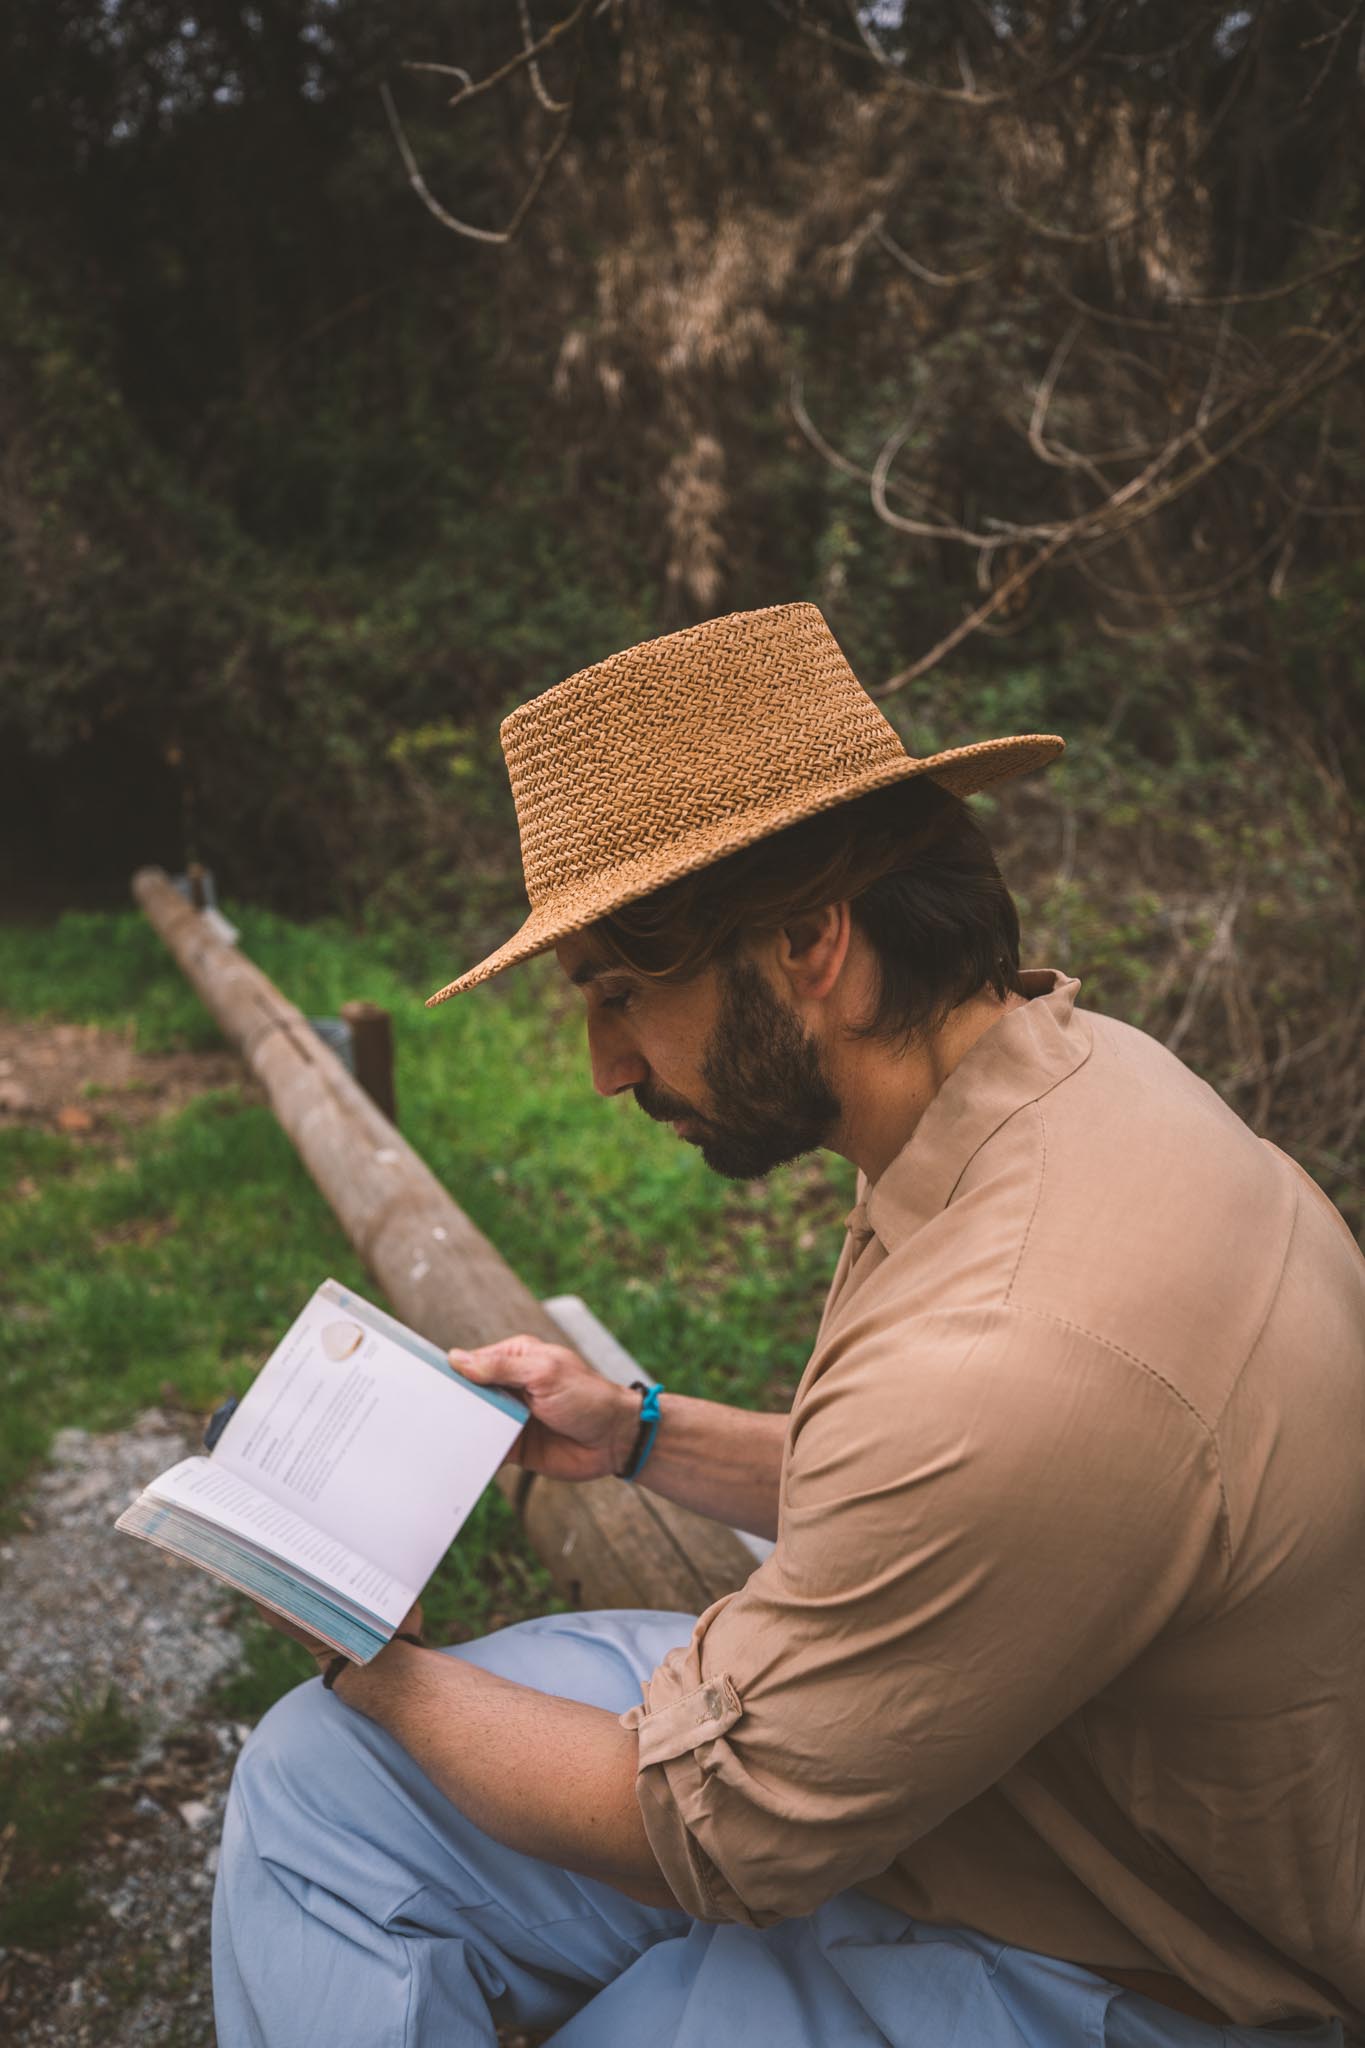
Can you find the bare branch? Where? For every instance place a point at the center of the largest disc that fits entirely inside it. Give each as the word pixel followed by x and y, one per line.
pixel 924 529
pixel 1186 600
pixel 1060 458
pixel 434 206
pixel 941 527
pixel 1205 406
pixel 1318 374
pixel 1278 291
pixel 1128 507
pixel 1335 33
pixel 526 55
pixel 870 49
pixel 816 438
pixel 442 70
pixel 1001 595
pixel 1136 322
pixel 1332 37
pixel 922 272
pixel 1074 238
pixel 533 68
pixel 873 53
pixel 1211 130
pixel 1215 954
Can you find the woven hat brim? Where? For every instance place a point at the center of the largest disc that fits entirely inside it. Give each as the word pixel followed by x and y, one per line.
pixel 964 771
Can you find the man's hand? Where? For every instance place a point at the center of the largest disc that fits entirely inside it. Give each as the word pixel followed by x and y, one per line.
pixel 583 1426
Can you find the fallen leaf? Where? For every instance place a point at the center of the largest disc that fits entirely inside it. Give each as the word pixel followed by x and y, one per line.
pixel 73 1118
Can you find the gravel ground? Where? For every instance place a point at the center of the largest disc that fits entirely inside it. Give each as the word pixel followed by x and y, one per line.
pixel 86 1608
pixel 100 1608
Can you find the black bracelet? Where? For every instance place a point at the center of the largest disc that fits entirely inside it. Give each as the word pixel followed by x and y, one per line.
pixel 648 1430
pixel 338 1664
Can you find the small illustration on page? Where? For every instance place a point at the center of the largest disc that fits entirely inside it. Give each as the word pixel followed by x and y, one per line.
pixel 339 1340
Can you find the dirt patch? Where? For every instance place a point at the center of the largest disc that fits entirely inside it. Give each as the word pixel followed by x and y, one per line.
pixel 92 1083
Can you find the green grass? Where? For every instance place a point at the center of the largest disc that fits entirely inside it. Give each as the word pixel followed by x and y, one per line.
pixel 174 1260
pixel 51 1795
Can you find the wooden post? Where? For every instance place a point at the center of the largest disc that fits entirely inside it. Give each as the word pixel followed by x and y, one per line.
pixel 372 1050
pixel 606 1543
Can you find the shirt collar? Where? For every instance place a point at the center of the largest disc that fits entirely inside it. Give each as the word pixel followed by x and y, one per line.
pixel 1018 1060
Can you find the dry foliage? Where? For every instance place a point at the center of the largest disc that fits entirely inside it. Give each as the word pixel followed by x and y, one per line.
pixel 1076 298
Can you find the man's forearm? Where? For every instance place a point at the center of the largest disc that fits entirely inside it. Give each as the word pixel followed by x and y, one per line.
pixel 723 1462
pixel 548 1776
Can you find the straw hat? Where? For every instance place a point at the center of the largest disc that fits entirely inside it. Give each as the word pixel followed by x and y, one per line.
pixel 662 759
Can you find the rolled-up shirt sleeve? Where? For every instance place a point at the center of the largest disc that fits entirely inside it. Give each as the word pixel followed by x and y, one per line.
pixel 984 1516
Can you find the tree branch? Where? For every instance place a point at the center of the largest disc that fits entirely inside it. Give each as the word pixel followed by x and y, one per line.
pixel 434 206
pixel 1128 507
pixel 525 56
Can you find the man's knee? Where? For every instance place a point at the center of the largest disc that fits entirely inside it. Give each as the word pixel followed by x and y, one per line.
pixel 299 1751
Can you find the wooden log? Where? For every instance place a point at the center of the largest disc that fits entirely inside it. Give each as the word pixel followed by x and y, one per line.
pixel 606 1543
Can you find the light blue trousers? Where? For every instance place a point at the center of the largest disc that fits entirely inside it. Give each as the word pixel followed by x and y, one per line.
pixel 356 1907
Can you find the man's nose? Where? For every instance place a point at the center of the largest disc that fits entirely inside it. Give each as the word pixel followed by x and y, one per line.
pixel 616 1065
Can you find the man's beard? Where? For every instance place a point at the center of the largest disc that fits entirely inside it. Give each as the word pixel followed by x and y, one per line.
pixel 771 1098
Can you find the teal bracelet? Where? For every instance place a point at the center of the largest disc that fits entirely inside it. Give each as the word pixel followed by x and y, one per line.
pixel 649 1427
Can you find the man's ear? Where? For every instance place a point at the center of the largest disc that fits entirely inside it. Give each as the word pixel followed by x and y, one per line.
pixel 812 949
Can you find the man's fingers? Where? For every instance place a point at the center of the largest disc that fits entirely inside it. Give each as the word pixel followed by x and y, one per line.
pixel 504 1363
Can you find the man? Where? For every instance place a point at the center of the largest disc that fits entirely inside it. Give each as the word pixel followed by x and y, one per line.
pixel 1044 1722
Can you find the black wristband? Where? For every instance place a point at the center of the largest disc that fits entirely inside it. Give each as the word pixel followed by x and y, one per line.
pixel 338 1664
pixel 648 1430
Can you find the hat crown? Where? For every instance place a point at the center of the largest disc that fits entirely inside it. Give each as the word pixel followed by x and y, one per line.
pixel 724 723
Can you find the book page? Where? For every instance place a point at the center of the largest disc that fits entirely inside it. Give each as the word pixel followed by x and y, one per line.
pixel 203 1488
pixel 365 1442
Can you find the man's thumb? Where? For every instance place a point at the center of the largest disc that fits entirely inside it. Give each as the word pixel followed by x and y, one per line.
pixel 487 1364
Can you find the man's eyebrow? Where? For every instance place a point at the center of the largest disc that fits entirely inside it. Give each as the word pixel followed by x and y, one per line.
pixel 593 970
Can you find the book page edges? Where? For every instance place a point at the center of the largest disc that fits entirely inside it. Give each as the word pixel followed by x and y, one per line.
pixel 359 1648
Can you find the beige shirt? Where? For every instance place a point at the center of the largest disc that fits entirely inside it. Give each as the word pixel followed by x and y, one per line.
pixel 1063 1637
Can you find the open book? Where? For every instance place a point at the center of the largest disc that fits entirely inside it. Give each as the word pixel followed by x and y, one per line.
pixel 344 1474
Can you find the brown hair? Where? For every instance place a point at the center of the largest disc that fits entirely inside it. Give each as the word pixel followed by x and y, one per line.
pixel 913 865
